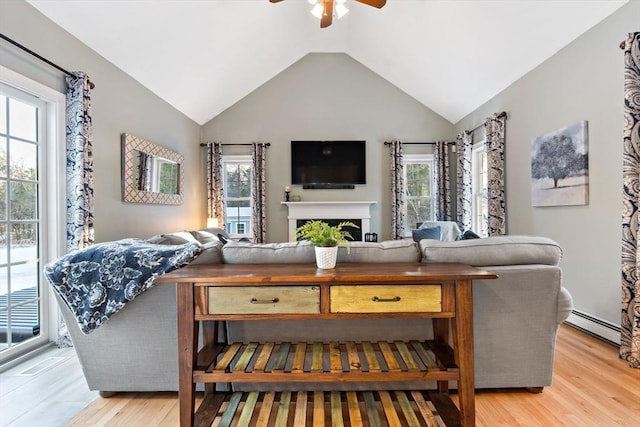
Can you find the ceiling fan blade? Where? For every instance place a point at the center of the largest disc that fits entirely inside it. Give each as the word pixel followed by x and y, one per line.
pixel 327 14
pixel 374 3
pixel 275 1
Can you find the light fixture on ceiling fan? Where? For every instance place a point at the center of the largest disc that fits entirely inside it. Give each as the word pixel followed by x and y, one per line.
pixel 320 8
pixel 324 9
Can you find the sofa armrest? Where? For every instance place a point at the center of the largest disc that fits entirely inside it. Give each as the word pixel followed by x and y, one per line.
pixel 565 305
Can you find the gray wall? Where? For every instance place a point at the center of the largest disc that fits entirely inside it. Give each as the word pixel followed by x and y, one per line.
pixel 327 96
pixel 583 81
pixel 331 96
pixel 119 104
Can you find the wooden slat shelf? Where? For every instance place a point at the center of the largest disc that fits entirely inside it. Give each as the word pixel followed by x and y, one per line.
pixel 442 292
pixel 328 408
pixel 328 362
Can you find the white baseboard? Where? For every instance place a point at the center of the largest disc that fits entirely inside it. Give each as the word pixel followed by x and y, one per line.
pixel 601 328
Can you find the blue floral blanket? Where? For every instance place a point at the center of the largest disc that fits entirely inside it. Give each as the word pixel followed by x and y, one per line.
pixel 97 281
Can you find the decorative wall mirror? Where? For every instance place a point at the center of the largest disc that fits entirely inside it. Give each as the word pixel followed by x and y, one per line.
pixel 150 173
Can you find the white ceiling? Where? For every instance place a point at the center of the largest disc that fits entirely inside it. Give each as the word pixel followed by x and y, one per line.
pixel 202 56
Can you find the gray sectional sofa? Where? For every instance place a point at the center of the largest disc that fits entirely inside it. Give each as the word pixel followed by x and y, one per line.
pixel 516 317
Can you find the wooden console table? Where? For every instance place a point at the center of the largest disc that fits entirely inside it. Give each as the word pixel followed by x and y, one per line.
pixel 211 294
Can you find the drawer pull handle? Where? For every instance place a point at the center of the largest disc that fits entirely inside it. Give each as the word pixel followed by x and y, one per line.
pixel 394 299
pixel 264 301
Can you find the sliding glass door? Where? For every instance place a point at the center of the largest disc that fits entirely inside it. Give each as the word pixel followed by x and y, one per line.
pixel 21 302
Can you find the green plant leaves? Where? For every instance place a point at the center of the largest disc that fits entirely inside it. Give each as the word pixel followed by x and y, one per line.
pixel 319 233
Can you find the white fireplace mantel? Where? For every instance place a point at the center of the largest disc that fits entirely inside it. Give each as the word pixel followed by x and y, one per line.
pixel 329 210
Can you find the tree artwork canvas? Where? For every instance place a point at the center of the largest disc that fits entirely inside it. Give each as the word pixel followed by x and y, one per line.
pixel 560 167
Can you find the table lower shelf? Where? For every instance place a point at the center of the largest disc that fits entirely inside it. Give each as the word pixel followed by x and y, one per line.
pixel 314 366
pixel 330 408
pixel 327 362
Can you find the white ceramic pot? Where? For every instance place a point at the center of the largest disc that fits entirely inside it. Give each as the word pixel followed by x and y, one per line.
pixel 326 257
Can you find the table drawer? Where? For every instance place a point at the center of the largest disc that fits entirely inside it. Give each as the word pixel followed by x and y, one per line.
pixel 386 299
pixel 264 299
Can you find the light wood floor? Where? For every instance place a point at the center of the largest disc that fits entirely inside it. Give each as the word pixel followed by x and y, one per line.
pixel 47 390
pixel 591 387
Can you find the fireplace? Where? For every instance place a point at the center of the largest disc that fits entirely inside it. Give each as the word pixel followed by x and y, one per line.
pixel 331 212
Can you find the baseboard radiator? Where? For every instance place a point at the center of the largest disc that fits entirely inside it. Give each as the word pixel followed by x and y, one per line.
pixel 601 328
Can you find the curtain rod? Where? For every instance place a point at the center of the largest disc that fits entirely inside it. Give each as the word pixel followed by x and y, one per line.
pixel 420 143
pixel 41 58
pixel 503 114
pixel 205 144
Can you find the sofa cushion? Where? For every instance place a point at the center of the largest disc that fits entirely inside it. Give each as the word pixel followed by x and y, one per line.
pixel 497 250
pixel 268 253
pixel 426 233
pixel 386 251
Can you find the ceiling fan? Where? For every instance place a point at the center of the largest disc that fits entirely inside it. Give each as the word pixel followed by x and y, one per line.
pixel 324 8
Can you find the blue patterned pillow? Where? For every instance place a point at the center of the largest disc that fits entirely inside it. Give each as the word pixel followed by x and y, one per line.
pixel 426 233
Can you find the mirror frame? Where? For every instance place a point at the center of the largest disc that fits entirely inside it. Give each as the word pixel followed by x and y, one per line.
pixel 130 191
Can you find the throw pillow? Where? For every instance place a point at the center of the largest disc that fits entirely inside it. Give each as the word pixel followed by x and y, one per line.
pixel 204 237
pixel 215 231
pixel 176 238
pixel 426 233
pixel 449 230
pixel 469 235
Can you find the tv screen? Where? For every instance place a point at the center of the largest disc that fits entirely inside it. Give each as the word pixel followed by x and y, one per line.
pixel 328 164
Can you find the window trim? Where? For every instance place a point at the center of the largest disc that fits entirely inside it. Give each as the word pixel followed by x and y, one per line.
pixel 237 158
pixel 52 204
pixel 478 147
pixel 409 159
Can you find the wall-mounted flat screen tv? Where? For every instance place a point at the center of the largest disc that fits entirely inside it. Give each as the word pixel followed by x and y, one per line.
pixel 328 164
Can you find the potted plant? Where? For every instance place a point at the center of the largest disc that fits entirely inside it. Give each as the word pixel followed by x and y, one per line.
pixel 326 239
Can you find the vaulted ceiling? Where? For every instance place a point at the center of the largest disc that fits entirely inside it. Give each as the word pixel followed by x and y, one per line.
pixel 202 56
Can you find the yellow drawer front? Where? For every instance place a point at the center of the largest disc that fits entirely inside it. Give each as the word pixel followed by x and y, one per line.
pixel 386 299
pixel 264 300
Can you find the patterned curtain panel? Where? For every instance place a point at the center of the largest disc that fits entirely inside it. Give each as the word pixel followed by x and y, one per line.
pixel 80 231
pixel 442 181
pixel 397 189
pixel 630 322
pixel 258 196
pixel 79 174
pixel 464 190
pixel 495 131
pixel 215 194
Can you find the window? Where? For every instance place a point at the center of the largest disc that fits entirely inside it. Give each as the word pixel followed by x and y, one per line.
pixel 418 187
pixel 165 176
pixel 240 227
pixel 237 194
pixel 480 207
pixel 31 210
